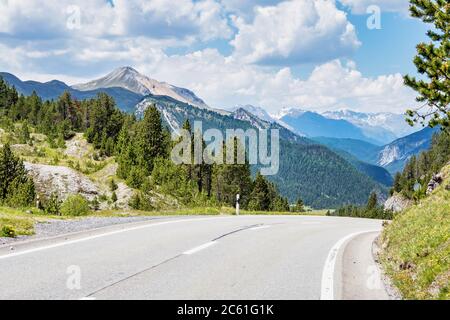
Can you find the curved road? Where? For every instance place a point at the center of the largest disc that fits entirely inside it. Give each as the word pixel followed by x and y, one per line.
pixel 245 257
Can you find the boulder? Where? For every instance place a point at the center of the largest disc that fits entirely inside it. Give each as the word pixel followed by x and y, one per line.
pixel 397 203
pixel 435 182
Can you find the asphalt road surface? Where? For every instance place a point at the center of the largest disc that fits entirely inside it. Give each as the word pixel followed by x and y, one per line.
pixel 245 257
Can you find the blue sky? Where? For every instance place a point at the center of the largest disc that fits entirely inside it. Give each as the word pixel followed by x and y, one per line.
pixel 309 54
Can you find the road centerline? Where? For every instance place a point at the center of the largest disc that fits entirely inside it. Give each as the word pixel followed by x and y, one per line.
pixel 200 248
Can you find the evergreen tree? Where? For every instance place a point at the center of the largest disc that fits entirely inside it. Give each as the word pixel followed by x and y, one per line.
pixel 16 188
pixel 433 62
pixel 228 180
pixel 300 206
pixel 373 201
pixel 24 136
pixel 151 140
pixel 260 196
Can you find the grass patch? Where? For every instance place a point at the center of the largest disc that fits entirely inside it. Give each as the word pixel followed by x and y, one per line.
pixel 21 222
pixel 417 248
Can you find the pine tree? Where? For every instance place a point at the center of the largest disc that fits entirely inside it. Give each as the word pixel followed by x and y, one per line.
pixel 432 61
pixel 373 201
pixel 300 206
pixel 16 188
pixel 150 139
pixel 397 187
pixel 260 196
pixel 228 180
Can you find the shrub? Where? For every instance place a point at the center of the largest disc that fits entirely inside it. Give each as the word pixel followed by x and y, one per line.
pixel 95 204
pixel 141 201
pixel 8 232
pixel 75 205
pixel 113 185
pixel 52 205
pixel 114 197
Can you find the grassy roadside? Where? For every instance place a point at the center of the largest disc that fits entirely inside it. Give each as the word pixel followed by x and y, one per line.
pixel 416 248
pixel 21 221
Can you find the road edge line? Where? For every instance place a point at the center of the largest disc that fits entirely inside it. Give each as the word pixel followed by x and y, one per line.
pixel 64 243
pixel 327 283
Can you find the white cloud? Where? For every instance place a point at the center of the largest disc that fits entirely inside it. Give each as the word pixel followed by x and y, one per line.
pixel 295 31
pixel 224 82
pixel 36 44
pixel 158 19
pixel 360 6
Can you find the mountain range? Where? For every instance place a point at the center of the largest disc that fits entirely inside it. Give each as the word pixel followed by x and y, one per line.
pixel 322 177
pixel 51 90
pixel 328 159
pixel 132 80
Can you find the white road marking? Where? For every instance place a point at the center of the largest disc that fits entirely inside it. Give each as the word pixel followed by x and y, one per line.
pixel 327 288
pixel 56 245
pixel 88 298
pixel 200 248
pixel 259 228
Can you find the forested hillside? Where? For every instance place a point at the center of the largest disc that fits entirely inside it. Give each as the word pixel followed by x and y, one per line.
pixel 139 146
pixel 309 171
pixel 419 170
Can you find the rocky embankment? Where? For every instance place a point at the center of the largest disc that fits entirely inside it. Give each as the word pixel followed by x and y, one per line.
pixel 62 180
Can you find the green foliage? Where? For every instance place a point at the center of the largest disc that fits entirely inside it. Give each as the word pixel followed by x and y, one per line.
pixel 114 197
pixel 265 197
pixel 8 231
pixel 432 61
pixel 324 181
pixel 24 134
pixel 371 211
pixel 95 204
pixel 141 201
pixel 75 205
pixel 52 205
pixel 260 197
pixel 420 169
pixel 299 206
pixel 416 248
pixel 16 188
pixel 372 202
pixel 113 185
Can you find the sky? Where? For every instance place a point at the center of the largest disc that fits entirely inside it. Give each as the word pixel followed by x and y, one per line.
pixel 316 55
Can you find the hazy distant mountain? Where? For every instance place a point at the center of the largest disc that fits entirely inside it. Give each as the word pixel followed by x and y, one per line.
pixel 395 155
pixel 392 156
pixel 315 125
pixel 383 125
pixel 125 99
pixel 130 79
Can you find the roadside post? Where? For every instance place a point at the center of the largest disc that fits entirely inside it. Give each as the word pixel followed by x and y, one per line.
pixel 237 204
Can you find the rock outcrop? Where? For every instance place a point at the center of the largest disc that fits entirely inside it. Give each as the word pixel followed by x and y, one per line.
pixel 63 180
pixel 435 182
pixel 397 203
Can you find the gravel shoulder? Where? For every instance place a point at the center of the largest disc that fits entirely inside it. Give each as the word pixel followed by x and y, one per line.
pixel 52 227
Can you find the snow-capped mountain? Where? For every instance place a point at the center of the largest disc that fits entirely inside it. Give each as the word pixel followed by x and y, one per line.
pixel 131 79
pixel 292 112
pixel 257 111
pixel 393 125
